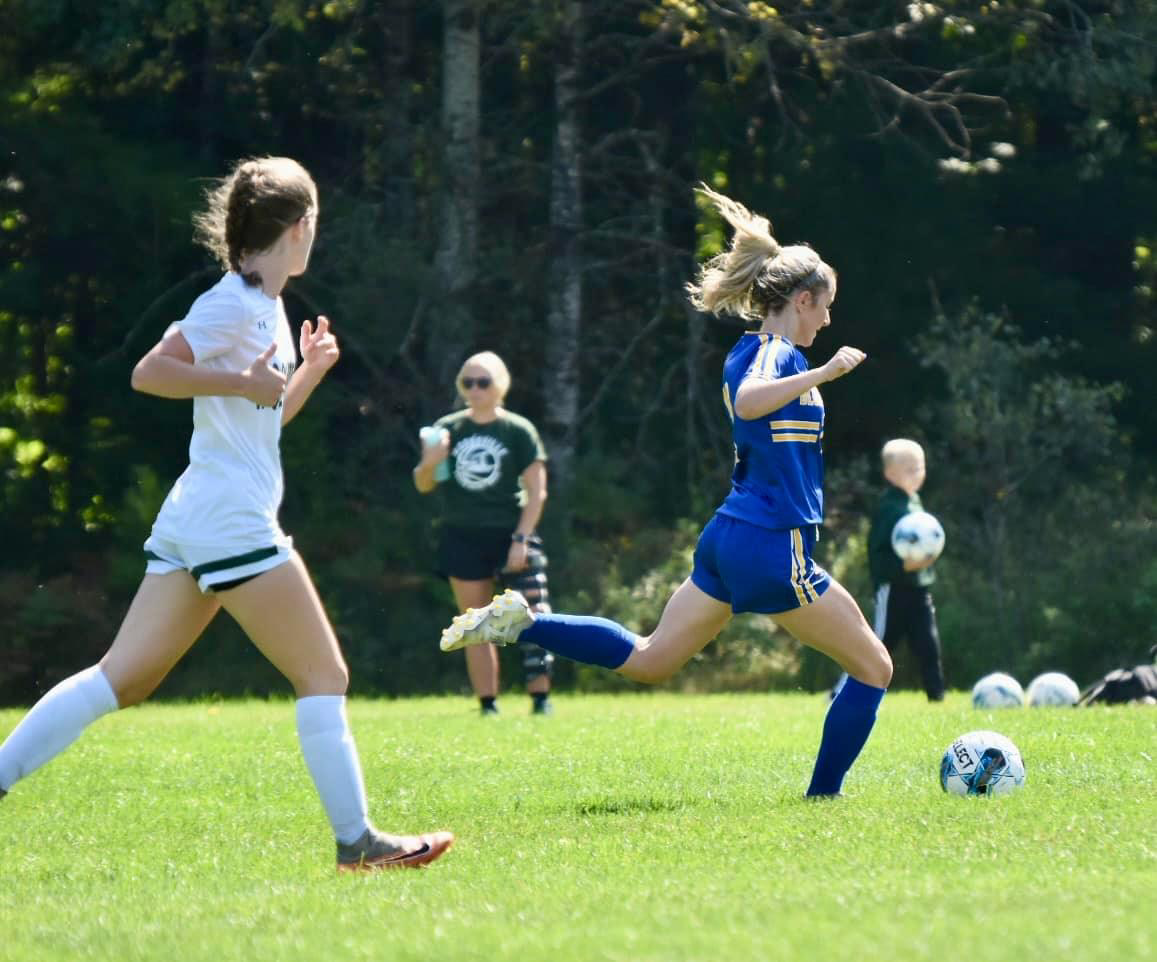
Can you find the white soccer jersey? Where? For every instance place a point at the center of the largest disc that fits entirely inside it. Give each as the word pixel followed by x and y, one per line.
pixel 229 495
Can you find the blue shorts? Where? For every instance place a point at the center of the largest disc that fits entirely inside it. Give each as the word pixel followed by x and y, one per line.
pixel 758 569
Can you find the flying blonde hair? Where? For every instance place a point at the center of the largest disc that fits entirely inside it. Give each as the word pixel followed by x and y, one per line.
pixel 755 275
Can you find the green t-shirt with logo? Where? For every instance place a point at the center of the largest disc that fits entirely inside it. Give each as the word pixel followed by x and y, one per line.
pixel 486 462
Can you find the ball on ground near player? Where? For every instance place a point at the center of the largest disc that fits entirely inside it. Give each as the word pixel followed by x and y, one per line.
pixel 981 763
pixel 997 690
pixel 918 537
pixel 1053 688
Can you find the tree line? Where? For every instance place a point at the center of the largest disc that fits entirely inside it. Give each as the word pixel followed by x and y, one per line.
pixel 519 177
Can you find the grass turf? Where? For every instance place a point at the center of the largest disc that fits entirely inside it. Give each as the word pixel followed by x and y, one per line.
pixel 629 827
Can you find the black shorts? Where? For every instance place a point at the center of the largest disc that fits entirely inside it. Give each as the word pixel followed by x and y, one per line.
pixel 475 554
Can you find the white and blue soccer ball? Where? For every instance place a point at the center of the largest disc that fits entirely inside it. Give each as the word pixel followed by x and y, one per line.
pixel 918 537
pixel 997 690
pixel 1053 688
pixel 981 763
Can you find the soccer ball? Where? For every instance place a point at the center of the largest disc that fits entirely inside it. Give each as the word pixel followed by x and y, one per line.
pixel 981 763
pixel 918 537
pixel 1053 688
pixel 997 690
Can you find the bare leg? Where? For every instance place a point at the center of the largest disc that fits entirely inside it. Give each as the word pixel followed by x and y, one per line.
pixel 835 625
pixel 166 617
pixel 688 624
pixel 481 660
pixel 283 616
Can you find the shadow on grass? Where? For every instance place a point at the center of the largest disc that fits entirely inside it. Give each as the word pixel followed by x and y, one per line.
pixel 627 806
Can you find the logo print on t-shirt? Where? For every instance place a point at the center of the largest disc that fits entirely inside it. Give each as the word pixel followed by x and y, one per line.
pixel 478 461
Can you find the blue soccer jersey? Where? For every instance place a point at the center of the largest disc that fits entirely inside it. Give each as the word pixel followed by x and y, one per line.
pixel 779 464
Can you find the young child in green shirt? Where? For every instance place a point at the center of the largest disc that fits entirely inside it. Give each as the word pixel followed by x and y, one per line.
pixel 904 607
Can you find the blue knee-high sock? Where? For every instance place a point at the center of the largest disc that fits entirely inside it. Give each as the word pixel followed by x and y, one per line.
pixel 594 641
pixel 846 728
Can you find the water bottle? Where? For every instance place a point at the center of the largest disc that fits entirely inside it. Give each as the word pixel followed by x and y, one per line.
pixel 431 435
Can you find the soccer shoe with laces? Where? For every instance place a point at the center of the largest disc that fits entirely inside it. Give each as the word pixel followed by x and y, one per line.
pixel 376 850
pixel 498 623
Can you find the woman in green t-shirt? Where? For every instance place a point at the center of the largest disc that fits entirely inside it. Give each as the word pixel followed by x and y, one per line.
pixel 491 499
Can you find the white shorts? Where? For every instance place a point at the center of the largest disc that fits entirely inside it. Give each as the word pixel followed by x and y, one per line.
pixel 212 566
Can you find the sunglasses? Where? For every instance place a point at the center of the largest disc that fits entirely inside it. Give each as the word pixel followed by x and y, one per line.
pixel 481 383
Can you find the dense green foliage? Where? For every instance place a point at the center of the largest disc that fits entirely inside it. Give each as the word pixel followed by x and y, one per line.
pixel 634 829
pixel 981 175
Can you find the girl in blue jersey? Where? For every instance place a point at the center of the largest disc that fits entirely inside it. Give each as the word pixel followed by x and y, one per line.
pixel 755 555
pixel 216 542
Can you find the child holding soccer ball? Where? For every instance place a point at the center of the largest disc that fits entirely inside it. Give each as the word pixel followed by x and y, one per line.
pixel 904 606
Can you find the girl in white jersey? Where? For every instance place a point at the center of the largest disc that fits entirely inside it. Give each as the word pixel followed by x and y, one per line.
pixel 216 542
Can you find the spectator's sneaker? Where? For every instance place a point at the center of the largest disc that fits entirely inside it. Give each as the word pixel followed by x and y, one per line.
pixel 377 850
pixel 498 623
pixel 544 707
pixel 489 711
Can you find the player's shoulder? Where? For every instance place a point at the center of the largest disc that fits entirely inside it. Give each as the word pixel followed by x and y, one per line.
pixel 229 295
pixel 453 419
pixel 767 355
pixel 517 421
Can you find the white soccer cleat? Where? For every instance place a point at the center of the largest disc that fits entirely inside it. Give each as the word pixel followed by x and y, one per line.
pixel 498 623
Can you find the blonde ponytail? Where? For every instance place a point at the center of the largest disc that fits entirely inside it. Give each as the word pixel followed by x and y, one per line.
pixel 755 274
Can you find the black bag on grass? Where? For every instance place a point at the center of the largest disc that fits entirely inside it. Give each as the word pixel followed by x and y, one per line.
pixel 1123 685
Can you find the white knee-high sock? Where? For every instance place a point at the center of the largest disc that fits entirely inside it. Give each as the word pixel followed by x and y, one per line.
pixel 332 759
pixel 54 723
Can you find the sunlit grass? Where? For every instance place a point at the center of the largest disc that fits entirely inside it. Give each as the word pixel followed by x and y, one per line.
pixel 634 827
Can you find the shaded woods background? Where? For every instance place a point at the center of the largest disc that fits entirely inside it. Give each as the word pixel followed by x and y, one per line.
pixel 518 176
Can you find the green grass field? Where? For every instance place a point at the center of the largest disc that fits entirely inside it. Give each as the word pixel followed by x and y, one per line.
pixel 631 827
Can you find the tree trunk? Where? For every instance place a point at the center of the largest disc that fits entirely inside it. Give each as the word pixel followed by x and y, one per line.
pixel 209 105
pixel 452 320
pixel 564 304
pixel 398 138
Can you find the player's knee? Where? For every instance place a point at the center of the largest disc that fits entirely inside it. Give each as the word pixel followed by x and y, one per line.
pixel 647 664
pixel 132 692
pixel 338 678
pixel 650 675
pixel 332 679
pixel 879 667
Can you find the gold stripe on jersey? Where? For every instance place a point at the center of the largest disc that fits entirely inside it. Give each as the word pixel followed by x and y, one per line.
pixel 794 437
pixel 803 425
pixel 727 401
pixel 763 355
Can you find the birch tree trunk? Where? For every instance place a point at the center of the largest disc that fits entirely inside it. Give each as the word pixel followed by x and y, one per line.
pixel 564 305
pixel 452 320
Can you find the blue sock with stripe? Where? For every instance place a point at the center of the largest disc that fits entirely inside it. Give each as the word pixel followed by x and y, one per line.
pixel 846 728
pixel 585 638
